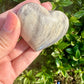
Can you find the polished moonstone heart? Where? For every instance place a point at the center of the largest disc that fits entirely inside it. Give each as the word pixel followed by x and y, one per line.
pixel 40 27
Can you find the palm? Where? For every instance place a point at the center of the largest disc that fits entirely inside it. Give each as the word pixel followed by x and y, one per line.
pixel 10 68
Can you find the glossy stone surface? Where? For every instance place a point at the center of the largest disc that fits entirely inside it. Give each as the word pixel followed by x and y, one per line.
pixel 41 28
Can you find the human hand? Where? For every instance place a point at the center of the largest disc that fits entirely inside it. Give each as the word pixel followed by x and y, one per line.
pixel 14 56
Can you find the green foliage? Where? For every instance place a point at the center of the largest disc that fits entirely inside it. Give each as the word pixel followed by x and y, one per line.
pixel 0 1
pixel 79 14
pixel 18 0
pixel 26 78
pixel 63 61
pixel 65 3
pixel 82 34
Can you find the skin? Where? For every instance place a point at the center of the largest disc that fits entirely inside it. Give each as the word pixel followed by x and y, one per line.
pixel 15 56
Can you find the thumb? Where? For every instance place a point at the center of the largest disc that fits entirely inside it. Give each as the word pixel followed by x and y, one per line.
pixel 9 34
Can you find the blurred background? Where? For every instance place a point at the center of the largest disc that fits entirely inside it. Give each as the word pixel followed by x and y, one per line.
pixel 63 61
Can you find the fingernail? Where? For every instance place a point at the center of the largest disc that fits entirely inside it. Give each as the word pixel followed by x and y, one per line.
pixel 10 22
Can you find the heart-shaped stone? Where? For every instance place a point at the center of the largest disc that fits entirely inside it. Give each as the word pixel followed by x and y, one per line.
pixel 41 28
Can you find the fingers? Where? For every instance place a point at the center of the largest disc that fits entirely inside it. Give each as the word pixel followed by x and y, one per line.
pixel 47 5
pixel 21 47
pixel 23 61
pixel 9 34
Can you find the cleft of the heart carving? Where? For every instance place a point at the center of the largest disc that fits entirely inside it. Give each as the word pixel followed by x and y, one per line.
pixel 41 28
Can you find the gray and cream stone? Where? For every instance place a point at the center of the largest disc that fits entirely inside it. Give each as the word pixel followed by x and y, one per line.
pixel 41 28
